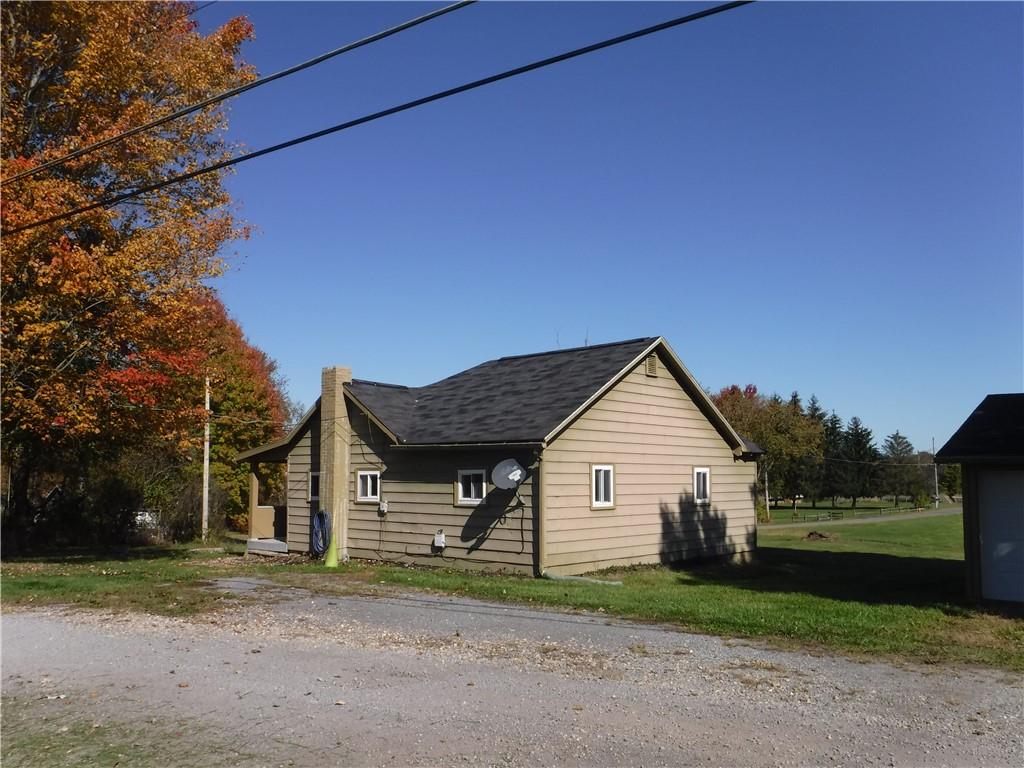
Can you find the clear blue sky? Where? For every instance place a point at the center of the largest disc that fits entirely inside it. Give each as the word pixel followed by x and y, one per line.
pixel 822 197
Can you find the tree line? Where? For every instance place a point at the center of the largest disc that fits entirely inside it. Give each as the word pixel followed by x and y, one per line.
pixel 811 453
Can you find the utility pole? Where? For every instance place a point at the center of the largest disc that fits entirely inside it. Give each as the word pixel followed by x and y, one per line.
pixel 935 470
pixel 206 464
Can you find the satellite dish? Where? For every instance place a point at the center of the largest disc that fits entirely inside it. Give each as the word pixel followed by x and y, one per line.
pixel 508 475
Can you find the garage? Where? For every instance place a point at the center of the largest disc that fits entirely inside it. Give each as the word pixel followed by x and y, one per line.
pixel 989 446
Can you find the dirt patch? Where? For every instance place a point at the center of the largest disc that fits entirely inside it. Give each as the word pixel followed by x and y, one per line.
pixel 819 536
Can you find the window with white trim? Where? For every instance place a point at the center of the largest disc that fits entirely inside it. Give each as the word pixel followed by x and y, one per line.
pixel 602 485
pixel 312 486
pixel 471 486
pixel 367 485
pixel 701 485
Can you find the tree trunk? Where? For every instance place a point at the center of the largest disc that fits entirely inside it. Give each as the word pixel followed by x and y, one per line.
pixel 19 516
pixel 853 502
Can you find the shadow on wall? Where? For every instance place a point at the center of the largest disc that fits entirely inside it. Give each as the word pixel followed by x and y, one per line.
pixel 692 530
pixel 488 514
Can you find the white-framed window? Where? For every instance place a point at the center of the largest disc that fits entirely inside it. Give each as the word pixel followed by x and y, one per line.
pixel 471 486
pixel 312 486
pixel 701 485
pixel 602 485
pixel 367 485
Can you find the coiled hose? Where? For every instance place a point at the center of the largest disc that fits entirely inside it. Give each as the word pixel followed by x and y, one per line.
pixel 321 533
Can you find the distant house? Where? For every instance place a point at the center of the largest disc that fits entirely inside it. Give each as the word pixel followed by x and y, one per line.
pixel 990 447
pixel 625 460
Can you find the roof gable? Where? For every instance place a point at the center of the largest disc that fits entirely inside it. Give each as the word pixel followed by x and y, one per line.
pixel 994 431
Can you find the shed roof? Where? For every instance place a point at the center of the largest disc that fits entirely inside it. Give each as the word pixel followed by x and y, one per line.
pixel 994 432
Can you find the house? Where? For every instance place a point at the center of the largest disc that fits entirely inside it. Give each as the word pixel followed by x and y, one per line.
pixel 990 448
pixel 624 460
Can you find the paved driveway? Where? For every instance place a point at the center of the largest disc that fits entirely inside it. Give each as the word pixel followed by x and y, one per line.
pixel 408 679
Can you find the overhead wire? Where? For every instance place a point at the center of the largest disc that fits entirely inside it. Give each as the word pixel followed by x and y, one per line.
pixel 232 92
pixel 472 85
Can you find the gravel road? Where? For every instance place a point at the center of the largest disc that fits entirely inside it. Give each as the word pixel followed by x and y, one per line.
pixel 410 679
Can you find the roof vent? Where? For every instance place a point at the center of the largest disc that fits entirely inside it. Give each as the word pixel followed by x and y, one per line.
pixel 652 365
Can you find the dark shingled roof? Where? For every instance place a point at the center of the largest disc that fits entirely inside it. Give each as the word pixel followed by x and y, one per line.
pixel 509 400
pixel 995 431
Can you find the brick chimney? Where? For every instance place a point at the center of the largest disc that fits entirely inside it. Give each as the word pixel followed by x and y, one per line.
pixel 334 454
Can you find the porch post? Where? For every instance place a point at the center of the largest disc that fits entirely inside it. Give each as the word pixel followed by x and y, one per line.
pixel 254 498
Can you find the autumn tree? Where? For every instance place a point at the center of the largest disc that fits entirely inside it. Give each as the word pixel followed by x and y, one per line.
pixel 103 313
pixel 787 436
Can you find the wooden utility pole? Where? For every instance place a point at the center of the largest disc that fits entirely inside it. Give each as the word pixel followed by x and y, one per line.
pixel 935 471
pixel 206 464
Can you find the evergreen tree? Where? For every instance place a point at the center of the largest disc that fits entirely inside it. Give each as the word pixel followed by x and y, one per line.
pixel 833 475
pixel 814 468
pixel 950 480
pixel 861 457
pixel 900 472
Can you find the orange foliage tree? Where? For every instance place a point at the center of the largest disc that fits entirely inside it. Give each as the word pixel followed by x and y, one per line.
pixel 105 315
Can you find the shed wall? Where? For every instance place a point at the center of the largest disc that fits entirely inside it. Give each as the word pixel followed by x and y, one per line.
pixel 654 435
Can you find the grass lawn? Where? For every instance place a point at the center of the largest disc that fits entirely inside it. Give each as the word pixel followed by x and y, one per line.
pixel 890 589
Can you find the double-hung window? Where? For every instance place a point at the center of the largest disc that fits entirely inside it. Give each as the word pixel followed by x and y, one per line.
pixel 701 485
pixel 602 486
pixel 471 486
pixel 367 485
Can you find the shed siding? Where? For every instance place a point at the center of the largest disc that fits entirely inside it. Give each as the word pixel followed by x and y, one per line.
pixel 303 458
pixel 419 487
pixel 654 435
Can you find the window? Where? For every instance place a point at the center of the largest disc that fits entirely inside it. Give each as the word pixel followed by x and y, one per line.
pixel 602 485
pixel 701 485
pixel 313 486
pixel 471 486
pixel 368 485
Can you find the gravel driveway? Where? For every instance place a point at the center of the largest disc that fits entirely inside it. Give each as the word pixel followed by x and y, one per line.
pixel 409 679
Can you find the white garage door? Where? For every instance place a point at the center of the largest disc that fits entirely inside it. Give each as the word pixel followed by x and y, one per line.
pixel 1001 504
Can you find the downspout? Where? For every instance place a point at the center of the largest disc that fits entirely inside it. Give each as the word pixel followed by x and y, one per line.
pixel 540 537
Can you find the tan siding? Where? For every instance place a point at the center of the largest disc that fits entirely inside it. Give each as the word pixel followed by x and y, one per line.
pixel 654 435
pixel 303 458
pixel 419 488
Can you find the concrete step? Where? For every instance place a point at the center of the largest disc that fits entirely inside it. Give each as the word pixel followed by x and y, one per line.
pixel 266 547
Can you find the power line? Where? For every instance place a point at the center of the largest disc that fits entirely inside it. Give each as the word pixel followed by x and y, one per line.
pixel 113 200
pixel 238 90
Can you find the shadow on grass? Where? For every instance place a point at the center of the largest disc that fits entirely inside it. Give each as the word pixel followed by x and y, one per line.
pixel 854 576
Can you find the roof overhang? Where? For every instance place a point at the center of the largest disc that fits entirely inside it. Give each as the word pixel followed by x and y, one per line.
pixel 943 459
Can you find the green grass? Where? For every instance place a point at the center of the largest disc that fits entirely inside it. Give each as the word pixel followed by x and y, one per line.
pixel 158 580
pixel 888 589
